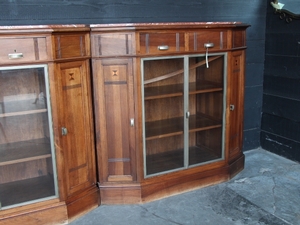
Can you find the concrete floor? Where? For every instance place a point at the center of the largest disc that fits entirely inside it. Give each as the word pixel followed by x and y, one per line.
pixel 267 191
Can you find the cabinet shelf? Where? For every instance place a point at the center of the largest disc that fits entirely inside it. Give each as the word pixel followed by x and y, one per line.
pixel 18 108
pixel 177 89
pixel 26 190
pixel 175 159
pixel 23 113
pixel 175 126
pixel 24 151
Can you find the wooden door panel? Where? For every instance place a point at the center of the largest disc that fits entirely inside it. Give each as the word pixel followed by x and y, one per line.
pixel 235 104
pixel 76 117
pixel 114 91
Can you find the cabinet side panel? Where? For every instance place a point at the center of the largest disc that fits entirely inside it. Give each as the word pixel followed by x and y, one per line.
pixel 235 104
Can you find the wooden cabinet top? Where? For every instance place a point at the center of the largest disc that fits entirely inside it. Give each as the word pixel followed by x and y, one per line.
pixel 145 39
pixel 34 29
pixel 163 26
pixel 117 27
pixel 37 43
pixel 43 43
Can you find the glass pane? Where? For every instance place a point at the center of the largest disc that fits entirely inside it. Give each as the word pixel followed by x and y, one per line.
pixel 163 114
pixel 206 96
pixel 26 167
pixel 164 154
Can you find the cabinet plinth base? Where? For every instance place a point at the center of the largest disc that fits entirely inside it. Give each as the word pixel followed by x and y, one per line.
pixel 167 185
pixel 120 194
pixel 53 213
pixel 82 203
pixel 236 166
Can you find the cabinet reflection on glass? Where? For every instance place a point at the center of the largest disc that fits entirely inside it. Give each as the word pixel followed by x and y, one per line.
pixel 27 170
pixel 183 111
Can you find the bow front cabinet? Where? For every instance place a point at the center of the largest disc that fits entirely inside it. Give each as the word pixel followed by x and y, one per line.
pixel 168 107
pixel 116 114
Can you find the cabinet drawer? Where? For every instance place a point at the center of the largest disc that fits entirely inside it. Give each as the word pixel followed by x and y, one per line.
pixel 216 39
pixel 112 44
pixel 71 46
pixel 160 43
pixel 23 49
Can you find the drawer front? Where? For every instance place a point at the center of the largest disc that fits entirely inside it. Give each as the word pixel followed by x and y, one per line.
pixel 23 49
pixel 160 43
pixel 71 46
pixel 214 40
pixel 112 44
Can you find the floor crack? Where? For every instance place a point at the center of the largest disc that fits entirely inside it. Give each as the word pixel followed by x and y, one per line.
pixel 157 216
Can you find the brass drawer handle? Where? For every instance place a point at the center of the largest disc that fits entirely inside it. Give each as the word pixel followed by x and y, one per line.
pixel 163 47
pixel 209 45
pixel 15 55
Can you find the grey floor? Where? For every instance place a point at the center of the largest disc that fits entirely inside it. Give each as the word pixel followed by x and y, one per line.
pixel 267 191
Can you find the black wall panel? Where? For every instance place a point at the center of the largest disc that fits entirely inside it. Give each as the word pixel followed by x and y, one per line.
pixel 30 12
pixel 281 98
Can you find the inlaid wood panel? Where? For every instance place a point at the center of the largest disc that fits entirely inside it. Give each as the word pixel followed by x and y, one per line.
pixel 115 113
pixel 71 45
pixel 76 141
pixel 112 44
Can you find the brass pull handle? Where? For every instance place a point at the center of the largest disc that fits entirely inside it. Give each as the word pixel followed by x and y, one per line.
pixel 64 131
pixel 231 107
pixel 163 47
pixel 15 55
pixel 209 45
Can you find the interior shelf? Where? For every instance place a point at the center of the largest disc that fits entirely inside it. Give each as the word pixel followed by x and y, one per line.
pixel 175 126
pixel 24 151
pixel 26 190
pixel 16 108
pixel 175 90
pixel 175 159
pixel 204 86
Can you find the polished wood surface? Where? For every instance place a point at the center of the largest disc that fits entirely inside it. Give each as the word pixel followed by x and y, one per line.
pixel 119 53
pixel 163 89
pixel 66 51
pixel 20 49
pixel 114 111
pixel 235 98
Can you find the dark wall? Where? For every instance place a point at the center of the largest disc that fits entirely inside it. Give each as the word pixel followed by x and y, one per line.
pixel 281 95
pixel 18 12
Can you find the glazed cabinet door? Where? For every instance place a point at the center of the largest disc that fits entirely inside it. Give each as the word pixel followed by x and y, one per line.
pixel 74 138
pixel 183 112
pixel 27 157
pixel 235 104
pixel 115 120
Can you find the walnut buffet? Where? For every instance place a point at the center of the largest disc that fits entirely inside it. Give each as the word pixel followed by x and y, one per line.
pixel 116 114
